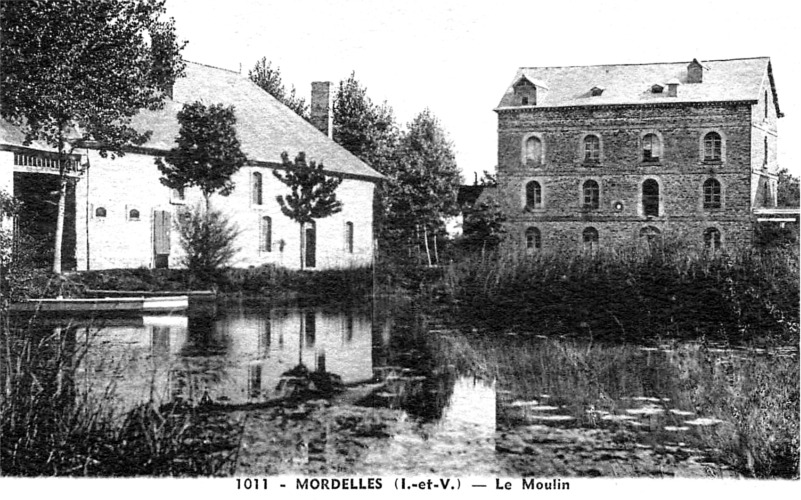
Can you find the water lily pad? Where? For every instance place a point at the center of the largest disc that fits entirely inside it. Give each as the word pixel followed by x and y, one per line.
pixel 617 417
pixel 704 421
pixel 552 418
pixel 518 404
pixel 649 410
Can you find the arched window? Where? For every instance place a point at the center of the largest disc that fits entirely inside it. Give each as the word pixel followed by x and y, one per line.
pixel 713 147
pixel 133 214
pixel 712 197
pixel 533 153
pixel 533 195
pixel 650 198
pixel 590 238
pixel 266 233
pixel 349 237
pixel 256 188
pixel 591 194
pixel 100 212
pixel 765 149
pixel 712 238
pixel 592 149
pixel 651 148
pixel 533 239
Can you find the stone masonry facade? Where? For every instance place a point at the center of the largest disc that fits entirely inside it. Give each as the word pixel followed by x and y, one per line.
pixel 648 171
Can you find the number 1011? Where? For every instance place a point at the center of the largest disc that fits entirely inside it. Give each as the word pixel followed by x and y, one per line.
pixel 251 484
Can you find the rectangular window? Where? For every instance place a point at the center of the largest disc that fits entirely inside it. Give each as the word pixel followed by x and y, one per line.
pixel 177 196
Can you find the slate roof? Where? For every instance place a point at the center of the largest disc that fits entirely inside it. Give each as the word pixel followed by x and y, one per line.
pixel 723 80
pixel 265 127
pixel 471 195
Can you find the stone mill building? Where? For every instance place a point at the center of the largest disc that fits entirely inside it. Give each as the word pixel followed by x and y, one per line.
pixel 598 156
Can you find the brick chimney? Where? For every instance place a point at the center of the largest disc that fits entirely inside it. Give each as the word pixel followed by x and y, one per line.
pixel 695 72
pixel 322 108
pixel 673 87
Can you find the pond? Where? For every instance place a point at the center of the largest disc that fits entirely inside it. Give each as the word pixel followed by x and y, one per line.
pixel 389 389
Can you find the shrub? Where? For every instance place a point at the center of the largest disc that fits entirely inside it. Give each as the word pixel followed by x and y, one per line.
pixel 207 239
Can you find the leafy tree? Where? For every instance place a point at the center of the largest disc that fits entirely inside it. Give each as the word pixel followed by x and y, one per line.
pixel 787 189
pixel 488 179
pixel 370 132
pixel 208 151
pixel 483 225
pixel 421 176
pixel 313 191
pixel 75 71
pixel 269 79
pixel 207 238
pixel 9 207
pixel 424 188
pixel 365 129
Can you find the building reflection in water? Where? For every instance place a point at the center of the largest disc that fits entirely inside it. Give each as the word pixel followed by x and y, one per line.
pixel 237 358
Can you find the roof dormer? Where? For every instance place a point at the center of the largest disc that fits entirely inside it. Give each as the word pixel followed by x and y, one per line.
pixel 525 92
pixel 695 72
pixel 596 91
pixel 657 89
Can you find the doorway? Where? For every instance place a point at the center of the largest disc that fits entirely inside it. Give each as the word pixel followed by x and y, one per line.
pixel 161 239
pixel 310 237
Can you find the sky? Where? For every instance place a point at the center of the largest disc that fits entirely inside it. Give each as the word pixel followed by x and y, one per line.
pixel 457 58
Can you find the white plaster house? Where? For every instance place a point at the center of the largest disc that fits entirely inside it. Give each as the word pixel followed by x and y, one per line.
pixel 121 216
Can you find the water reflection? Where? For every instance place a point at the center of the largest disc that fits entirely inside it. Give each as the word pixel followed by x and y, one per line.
pixel 393 390
pixel 240 356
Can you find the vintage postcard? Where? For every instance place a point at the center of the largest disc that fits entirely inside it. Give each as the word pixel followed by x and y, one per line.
pixel 324 248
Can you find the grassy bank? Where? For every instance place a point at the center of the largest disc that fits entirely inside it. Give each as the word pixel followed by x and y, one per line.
pixel 632 294
pixel 264 281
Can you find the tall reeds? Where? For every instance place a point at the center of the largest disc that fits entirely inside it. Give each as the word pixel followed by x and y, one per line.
pixel 632 293
pixel 55 423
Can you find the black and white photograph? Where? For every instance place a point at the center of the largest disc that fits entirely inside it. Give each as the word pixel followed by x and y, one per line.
pixel 392 248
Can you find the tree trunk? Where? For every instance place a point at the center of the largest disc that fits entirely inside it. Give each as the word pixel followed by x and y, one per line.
pixel 436 250
pixel 301 245
pixel 62 205
pixel 62 202
pixel 425 239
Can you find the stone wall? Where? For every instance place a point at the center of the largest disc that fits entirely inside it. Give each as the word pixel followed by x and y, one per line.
pixel 680 172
